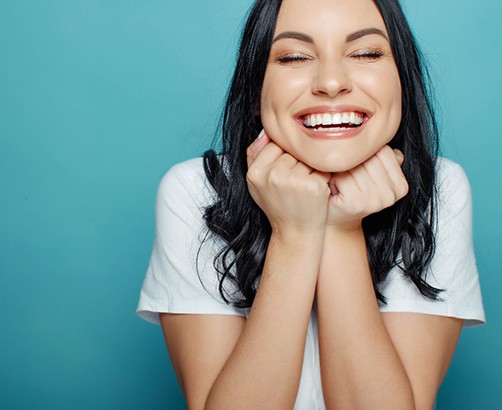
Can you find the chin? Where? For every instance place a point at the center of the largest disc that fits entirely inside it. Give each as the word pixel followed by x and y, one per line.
pixel 331 164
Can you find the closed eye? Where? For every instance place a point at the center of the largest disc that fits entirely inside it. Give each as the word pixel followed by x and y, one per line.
pixel 368 54
pixel 288 58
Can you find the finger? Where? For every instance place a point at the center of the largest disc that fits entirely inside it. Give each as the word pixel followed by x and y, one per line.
pixel 256 147
pixel 361 177
pixel 258 144
pixel 390 161
pixel 344 185
pixel 269 154
pixel 399 156
pixel 300 168
pixel 377 172
pixel 324 176
pixel 288 161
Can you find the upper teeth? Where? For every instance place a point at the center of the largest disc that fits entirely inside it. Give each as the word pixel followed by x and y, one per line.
pixel 338 118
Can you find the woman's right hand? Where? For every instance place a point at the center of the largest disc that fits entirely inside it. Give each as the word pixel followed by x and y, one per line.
pixel 292 195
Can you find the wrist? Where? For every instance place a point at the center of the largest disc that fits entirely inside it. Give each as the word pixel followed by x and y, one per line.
pixel 345 227
pixel 344 235
pixel 298 235
pixel 301 250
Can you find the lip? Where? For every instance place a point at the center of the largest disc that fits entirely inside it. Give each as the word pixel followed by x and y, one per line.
pixel 338 134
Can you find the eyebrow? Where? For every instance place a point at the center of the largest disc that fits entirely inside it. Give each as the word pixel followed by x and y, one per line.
pixel 365 32
pixel 295 35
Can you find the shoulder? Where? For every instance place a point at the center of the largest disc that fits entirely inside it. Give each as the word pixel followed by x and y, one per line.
pixel 188 174
pixel 454 264
pixel 181 276
pixel 453 188
pixel 453 267
pixel 185 184
pixel 450 173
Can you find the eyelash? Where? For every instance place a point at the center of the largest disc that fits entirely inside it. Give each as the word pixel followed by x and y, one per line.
pixel 370 55
pixel 363 55
pixel 288 58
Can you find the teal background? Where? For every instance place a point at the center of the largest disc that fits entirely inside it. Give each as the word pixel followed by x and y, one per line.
pixel 97 100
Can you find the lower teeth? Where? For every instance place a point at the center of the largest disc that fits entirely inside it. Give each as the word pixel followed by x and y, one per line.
pixel 333 129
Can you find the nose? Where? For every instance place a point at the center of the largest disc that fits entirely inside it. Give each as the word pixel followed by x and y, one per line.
pixel 331 79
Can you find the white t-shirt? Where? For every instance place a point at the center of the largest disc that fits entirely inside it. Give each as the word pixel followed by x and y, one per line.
pixel 177 266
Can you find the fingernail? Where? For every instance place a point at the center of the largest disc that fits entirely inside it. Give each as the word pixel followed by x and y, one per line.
pixel 261 134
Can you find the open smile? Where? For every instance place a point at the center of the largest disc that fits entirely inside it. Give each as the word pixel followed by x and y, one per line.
pixel 333 121
pixel 327 122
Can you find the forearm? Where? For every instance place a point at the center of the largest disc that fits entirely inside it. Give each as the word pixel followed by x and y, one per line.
pixel 360 367
pixel 265 366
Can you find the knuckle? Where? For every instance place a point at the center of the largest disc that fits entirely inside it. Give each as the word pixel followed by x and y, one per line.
pixel 386 152
pixel 388 199
pixel 401 188
pixel 250 150
pixel 254 174
pixel 405 188
pixel 315 187
pixel 275 177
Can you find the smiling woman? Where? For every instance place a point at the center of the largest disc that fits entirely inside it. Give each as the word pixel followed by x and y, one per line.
pixel 327 263
pixel 344 54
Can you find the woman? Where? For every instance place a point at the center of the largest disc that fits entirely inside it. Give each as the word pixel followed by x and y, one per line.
pixel 327 263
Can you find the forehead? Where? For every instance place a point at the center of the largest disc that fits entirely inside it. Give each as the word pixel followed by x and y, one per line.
pixel 328 17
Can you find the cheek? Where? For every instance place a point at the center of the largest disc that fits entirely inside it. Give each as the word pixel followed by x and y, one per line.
pixel 385 88
pixel 271 104
pixel 392 93
pixel 395 95
pixel 266 98
pixel 267 110
pixel 281 88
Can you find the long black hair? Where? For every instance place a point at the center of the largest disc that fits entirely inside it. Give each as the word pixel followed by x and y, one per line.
pixel 402 235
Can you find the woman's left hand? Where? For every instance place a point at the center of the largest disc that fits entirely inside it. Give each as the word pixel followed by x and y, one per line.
pixel 375 184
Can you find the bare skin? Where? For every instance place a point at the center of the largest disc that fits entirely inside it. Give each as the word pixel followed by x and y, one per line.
pixel 369 360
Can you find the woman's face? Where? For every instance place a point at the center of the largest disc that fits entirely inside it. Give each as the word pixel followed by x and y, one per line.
pixel 331 96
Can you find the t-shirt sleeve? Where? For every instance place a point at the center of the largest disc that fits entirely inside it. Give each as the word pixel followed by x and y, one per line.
pixel 453 267
pixel 181 277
